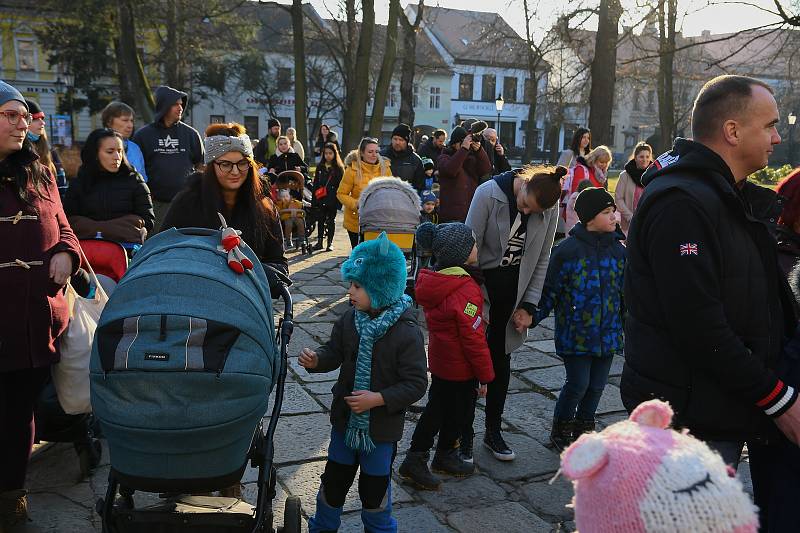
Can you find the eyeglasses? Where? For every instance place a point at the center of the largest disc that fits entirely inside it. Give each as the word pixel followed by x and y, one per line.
pixel 227 166
pixel 14 117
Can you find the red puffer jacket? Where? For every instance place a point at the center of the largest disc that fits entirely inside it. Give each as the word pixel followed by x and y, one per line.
pixel 453 306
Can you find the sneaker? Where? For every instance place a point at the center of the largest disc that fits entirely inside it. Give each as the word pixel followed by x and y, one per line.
pixel 494 441
pixel 450 462
pixel 465 450
pixel 414 469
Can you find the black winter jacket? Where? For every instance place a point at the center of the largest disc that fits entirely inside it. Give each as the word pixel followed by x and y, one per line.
pixel 429 150
pixel 109 196
pixel 407 165
pixel 329 178
pixel 399 373
pixel 287 161
pixel 708 308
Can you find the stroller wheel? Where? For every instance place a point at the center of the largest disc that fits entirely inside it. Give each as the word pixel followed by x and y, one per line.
pixel 291 515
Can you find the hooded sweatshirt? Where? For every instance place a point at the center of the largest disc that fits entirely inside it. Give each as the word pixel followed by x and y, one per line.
pixel 453 305
pixel 707 304
pixel 169 153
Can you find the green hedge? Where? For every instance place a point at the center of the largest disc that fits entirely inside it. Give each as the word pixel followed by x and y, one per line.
pixel 770 176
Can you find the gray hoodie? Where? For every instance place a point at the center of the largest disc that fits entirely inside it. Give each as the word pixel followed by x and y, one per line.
pixel 169 153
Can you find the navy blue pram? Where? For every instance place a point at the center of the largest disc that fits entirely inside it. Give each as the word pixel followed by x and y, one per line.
pixel 184 359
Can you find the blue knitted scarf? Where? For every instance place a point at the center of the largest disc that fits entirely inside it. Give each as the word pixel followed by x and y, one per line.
pixel 369 331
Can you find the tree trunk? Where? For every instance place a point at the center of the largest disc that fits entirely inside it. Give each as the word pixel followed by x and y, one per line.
pixel 410 31
pixel 387 69
pixel 171 51
pixel 300 93
pixel 358 84
pixel 533 63
pixel 603 71
pixel 133 83
pixel 666 48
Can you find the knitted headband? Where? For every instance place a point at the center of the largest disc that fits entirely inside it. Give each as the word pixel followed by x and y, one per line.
pixel 216 145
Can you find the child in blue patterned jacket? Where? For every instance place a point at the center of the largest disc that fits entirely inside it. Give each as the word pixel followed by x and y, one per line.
pixel 584 286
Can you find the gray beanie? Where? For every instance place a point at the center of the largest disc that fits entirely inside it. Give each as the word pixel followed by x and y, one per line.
pixel 8 93
pixel 450 243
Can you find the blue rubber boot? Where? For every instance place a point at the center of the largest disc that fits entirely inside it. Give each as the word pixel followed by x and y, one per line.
pixel 326 518
pixel 380 520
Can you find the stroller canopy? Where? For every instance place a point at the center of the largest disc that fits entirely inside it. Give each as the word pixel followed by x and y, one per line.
pixel 388 204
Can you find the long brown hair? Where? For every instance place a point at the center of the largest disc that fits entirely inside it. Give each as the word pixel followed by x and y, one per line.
pixel 337 158
pixel 42 148
pixel 253 213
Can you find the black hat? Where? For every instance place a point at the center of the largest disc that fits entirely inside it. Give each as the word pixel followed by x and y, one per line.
pixel 402 130
pixel 33 106
pixel 592 201
pixel 271 123
pixel 458 135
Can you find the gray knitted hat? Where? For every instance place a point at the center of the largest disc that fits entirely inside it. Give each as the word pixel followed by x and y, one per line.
pixel 450 243
pixel 217 145
pixel 8 93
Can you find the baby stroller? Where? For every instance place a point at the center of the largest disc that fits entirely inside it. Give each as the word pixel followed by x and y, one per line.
pixel 298 185
pixel 109 261
pixel 391 205
pixel 184 358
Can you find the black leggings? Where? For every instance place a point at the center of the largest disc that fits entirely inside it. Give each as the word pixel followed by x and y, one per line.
pixel 501 285
pixel 354 238
pixel 326 223
pixel 450 405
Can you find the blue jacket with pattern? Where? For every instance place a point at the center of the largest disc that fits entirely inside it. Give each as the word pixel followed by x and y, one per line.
pixel 584 286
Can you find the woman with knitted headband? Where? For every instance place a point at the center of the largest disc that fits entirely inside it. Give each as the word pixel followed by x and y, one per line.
pixel 231 185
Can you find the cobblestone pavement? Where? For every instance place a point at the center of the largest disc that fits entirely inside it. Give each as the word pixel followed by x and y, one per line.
pixel 500 497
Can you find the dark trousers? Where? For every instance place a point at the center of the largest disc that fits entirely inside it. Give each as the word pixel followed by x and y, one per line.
pixel 450 405
pixel 354 237
pixel 19 390
pixel 501 285
pixel 326 224
pixel 586 378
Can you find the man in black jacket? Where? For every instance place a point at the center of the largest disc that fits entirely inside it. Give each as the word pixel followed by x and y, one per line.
pixel 433 147
pixel 708 309
pixel 406 164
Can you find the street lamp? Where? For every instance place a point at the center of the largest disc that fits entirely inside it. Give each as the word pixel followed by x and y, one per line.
pixel 498 104
pixel 792 120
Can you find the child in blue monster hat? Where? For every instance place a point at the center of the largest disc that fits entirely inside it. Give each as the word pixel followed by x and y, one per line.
pixel 379 347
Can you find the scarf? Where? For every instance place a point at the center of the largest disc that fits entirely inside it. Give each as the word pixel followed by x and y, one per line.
pixel 369 330
pixel 634 172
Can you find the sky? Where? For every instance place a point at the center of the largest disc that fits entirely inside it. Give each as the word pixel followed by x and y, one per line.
pixel 718 16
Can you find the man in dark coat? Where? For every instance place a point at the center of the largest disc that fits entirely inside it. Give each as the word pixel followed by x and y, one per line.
pixel 406 164
pixel 708 308
pixel 495 151
pixel 461 167
pixel 433 147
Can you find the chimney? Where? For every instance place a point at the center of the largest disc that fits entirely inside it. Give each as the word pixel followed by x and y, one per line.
pixel 706 33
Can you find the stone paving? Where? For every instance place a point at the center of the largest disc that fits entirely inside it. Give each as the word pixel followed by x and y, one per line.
pixel 500 497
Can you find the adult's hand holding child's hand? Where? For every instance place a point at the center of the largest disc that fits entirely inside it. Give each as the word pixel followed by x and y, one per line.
pixel 308 358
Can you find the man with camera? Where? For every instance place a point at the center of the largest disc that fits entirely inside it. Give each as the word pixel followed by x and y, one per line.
pixel 461 166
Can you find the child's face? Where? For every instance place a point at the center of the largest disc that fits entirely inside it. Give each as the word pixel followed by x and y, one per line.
pixel 429 172
pixel 329 155
pixel 359 297
pixel 604 222
pixel 283 145
pixel 428 207
pixel 473 255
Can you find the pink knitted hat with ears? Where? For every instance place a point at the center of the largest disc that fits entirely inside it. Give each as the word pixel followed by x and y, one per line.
pixel 640 476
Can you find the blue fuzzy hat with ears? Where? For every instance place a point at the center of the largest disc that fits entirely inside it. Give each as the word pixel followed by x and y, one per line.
pixel 380 267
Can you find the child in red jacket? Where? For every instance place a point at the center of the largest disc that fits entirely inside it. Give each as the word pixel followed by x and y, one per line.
pixel 458 356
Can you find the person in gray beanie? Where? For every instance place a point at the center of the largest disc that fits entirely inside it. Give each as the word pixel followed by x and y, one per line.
pixel 458 355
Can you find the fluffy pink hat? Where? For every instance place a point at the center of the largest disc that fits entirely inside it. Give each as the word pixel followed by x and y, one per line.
pixel 640 476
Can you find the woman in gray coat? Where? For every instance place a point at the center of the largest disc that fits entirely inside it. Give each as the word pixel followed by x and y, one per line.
pixel 514 217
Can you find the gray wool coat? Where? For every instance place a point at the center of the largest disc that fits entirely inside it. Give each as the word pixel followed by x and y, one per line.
pixel 488 217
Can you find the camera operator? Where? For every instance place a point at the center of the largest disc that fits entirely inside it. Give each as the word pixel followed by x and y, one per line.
pixel 461 166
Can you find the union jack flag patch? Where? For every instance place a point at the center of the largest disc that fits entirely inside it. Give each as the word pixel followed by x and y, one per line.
pixel 689 248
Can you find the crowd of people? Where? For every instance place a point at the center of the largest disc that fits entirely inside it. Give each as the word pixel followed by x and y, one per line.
pixel 686 271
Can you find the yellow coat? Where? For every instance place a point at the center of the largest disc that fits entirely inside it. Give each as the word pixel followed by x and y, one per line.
pixel 353 182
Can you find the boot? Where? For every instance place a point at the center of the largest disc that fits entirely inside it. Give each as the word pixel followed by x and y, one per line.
pixel 449 462
pixel 581 427
pixel 561 434
pixel 298 245
pixel 13 508
pixel 415 469
pixel 287 245
pixel 329 248
pixel 318 246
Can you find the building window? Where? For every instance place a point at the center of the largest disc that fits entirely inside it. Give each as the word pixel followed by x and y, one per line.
pixel 392 96
pixel 465 83
pixel 416 95
pixel 436 98
pixel 26 54
pixel 217 119
pixel 251 125
pixel 530 91
pixel 489 88
pixel 637 97
pixel 510 89
pixel 284 80
pixel 651 100
pixel 507 133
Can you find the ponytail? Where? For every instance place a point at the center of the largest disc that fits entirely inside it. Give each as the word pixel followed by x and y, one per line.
pixel 544 183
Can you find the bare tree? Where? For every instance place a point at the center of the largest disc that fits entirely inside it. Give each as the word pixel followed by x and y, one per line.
pixel 667 17
pixel 358 84
pixel 134 87
pixel 300 92
pixel 604 65
pixel 410 32
pixel 387 70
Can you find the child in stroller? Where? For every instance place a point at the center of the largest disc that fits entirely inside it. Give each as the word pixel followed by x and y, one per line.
pixel 293 217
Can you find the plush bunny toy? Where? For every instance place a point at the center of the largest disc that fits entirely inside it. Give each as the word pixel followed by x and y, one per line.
pixel 237 261
pixel 640 476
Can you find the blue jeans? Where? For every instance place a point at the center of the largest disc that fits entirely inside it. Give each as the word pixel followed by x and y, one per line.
pixel 374 486
pixel 586 378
